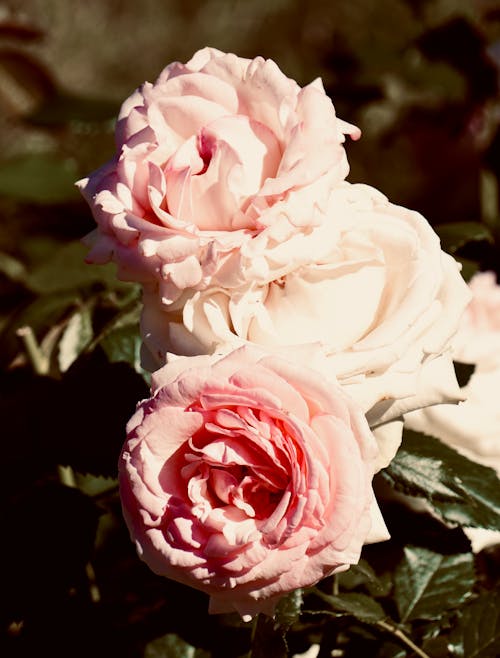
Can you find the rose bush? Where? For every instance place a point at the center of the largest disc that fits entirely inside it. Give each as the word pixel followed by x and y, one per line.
pixel 215 153
pixel 247 477
pixel 371 286
pixel 473 426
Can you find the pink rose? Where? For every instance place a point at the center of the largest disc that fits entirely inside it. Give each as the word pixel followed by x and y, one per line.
pixel 248 477
pixel 215 152
pixel 473 426
pixel 478 339
pixel 370 285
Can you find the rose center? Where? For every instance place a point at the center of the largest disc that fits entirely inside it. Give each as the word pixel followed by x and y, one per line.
pixel 235 461
pixel 214 175
pixel 240 487
pixel 205 151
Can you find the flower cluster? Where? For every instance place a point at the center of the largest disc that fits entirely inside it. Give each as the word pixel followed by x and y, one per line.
pixel 291 319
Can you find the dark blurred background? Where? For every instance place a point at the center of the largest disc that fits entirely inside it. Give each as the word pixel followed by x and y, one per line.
pixel 419 77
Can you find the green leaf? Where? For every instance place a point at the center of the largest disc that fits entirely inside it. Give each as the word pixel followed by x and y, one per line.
pixel 362 574
pixel 416 474
pixel 428 583
pixel 476 632
pixel 127 317
pixel 124 344
pixel 76 335
pixel 95 485
pixel 39 178
pixel 40 315
pixel 120 339
pixel 68 270
pixel 361 606
pixel 457 489
pixel 172 646
pixel 457 234
pixel 11 267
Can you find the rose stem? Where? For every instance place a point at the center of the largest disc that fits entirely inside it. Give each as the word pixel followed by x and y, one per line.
pixel 37 358
pixel 386 626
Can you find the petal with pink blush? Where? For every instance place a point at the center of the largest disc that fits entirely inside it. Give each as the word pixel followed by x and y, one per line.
pixel 210 149
pixel 266 491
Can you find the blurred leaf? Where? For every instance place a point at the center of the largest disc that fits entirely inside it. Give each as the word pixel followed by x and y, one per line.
pixel 40 314
pixel 456 235
pixel 67 269
pixel 39 178
pixel 38 247
pixel 77 334
pixel 61 109
pixel 24 82
pixel 93 485
pixel 172 646
pixel 476 631
pixel 488 195
pixel 11 267
pixel 120 338
pixel 358 574
pixel 437 81
pixel 459 490
pixel 428 583
pixel 127 317
pixel 361 606
pixel 441 11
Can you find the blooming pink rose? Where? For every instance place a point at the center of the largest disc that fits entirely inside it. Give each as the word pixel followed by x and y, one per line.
pixel 473 426
pixel 213 153
pixel 371 286
pixel 478 338
pixel 248 477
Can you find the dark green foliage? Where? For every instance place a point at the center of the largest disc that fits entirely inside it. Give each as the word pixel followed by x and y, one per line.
pixel 476 629
pixel 458 490
pixel 426 582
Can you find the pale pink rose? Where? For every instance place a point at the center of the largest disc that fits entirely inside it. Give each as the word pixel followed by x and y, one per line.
pixel 214 153
pixel 473 426
pixel 478 338
pixel 371 286
pixel 247 477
